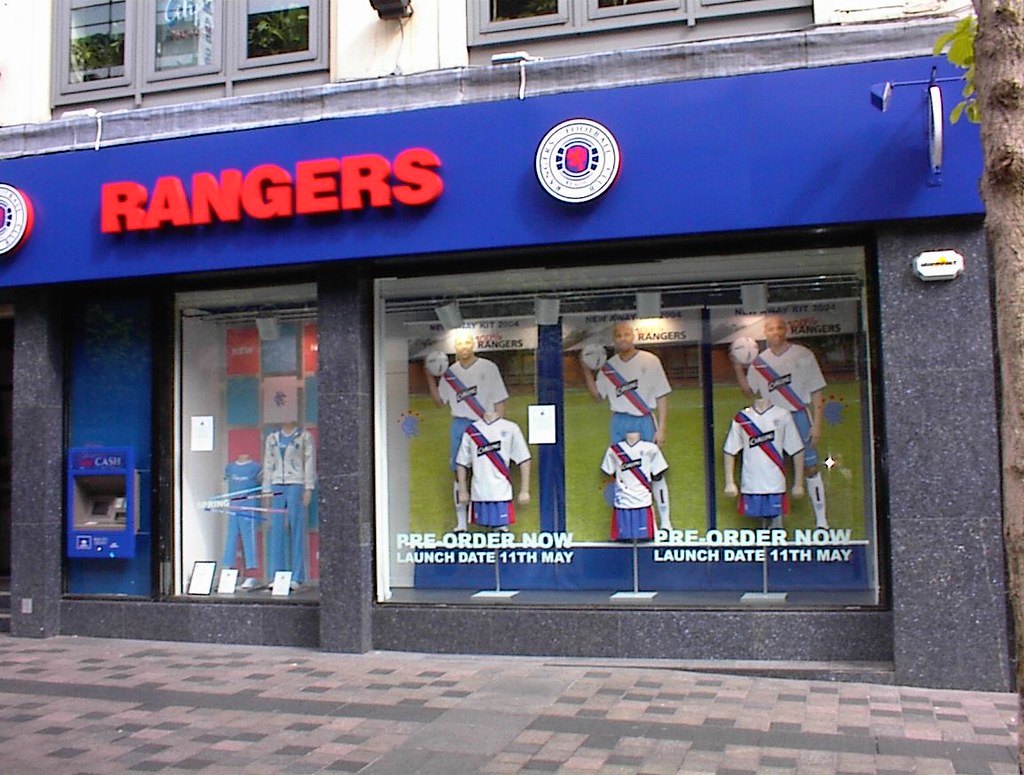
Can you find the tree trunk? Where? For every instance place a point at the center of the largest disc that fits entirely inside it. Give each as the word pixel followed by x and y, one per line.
pixel 999 69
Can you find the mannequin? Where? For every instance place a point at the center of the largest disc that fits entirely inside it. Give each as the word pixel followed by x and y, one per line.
pixel 471 387
pixel 636 465
pixel 788 375
pixel 289 477
pixel 486 449
pixel 763 433
pixel 243 475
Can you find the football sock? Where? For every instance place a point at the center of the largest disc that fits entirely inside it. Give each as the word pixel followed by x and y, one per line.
pixel 461 509
pixel 659 489
pixel 816 492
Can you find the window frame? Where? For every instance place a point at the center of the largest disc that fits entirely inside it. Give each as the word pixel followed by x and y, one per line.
pixel 481 18
pixel 584 17
pixel 62 74
pixel 787 271
pixel 221 308
pixel 152 74
pixel 142 76
pixel 317 42
pixel 595 12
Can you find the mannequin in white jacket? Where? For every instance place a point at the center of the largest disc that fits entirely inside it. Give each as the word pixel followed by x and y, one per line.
pixel 289 476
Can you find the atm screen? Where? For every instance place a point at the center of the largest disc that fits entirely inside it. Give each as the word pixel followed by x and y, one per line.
pixel 100 508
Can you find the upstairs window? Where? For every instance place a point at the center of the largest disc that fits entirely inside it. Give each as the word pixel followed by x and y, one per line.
pixel 96 42
pixel 107 49
pixel 504 21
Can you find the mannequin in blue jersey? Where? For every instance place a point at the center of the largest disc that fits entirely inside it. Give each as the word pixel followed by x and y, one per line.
pixel 243 476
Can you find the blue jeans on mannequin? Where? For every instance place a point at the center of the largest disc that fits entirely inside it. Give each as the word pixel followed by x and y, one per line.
pixel 241 524
pixel 281 547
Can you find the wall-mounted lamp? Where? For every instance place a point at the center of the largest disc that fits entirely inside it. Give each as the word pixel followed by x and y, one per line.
pixel 648 304
pixel 269 329
pixel 936 122
pixel 546 311
pixel 754 298
pixel 881 95
pixel 511 57
pixel 450 316
pixel 392 9
pixel 515 57
pixel 881 98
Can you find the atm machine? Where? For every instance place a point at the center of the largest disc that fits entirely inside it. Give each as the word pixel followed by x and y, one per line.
pixel 102 502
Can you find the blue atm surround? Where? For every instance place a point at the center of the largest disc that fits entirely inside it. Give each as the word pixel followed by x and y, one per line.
pixel 102 502
pixel 110 406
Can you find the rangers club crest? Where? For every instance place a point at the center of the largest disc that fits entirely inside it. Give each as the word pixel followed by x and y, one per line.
pixel 16 218
pixel 577 161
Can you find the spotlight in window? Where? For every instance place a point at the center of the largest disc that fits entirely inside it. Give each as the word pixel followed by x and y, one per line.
pixel 392 9
pixel 754 298
pixel 450 316
pixel 269 328
pixel 648 305
pixel 546 311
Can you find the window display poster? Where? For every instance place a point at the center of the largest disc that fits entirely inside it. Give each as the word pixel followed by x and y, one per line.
pixel 280 400
pixel 310 348
pixel 280 353
pixel 243 400
pixel 243 351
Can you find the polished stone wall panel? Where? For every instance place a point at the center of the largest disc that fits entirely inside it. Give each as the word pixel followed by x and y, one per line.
pixel 942 507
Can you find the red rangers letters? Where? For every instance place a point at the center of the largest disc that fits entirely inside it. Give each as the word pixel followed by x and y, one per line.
pixel 270 191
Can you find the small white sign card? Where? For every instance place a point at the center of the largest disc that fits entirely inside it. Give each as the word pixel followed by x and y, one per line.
pixel 202 433
pixel 228 578
pixel 201 582
pixel 541 419
pixel 282 583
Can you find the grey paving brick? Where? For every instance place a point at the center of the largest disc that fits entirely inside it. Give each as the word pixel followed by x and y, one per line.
pixel 84 707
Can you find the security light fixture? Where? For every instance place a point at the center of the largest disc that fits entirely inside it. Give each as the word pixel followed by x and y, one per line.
pixel 392 9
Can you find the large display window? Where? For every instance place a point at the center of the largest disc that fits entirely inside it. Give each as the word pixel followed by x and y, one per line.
pixel 691 432
pixel 247 440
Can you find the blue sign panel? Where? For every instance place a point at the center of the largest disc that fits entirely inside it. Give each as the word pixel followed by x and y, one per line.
pixel 792 149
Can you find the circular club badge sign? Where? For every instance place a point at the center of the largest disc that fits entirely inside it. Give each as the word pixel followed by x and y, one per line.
pixel 577 161
pixel 16 218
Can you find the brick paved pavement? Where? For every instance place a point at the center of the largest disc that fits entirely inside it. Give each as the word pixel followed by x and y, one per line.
pixel 95 706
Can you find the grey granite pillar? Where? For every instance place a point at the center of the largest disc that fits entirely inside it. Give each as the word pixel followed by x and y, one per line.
pixel 942 460
pixel 37 539
pixel 345 421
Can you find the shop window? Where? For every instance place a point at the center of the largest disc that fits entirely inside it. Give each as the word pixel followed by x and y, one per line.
pixel 247 506
pixel 620 410
pixel 112 48
pixel 502 21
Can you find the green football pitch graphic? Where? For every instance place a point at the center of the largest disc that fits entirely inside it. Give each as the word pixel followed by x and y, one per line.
pixel 588 515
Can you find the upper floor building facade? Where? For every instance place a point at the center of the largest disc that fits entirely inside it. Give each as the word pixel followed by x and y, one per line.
pixel 65 56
